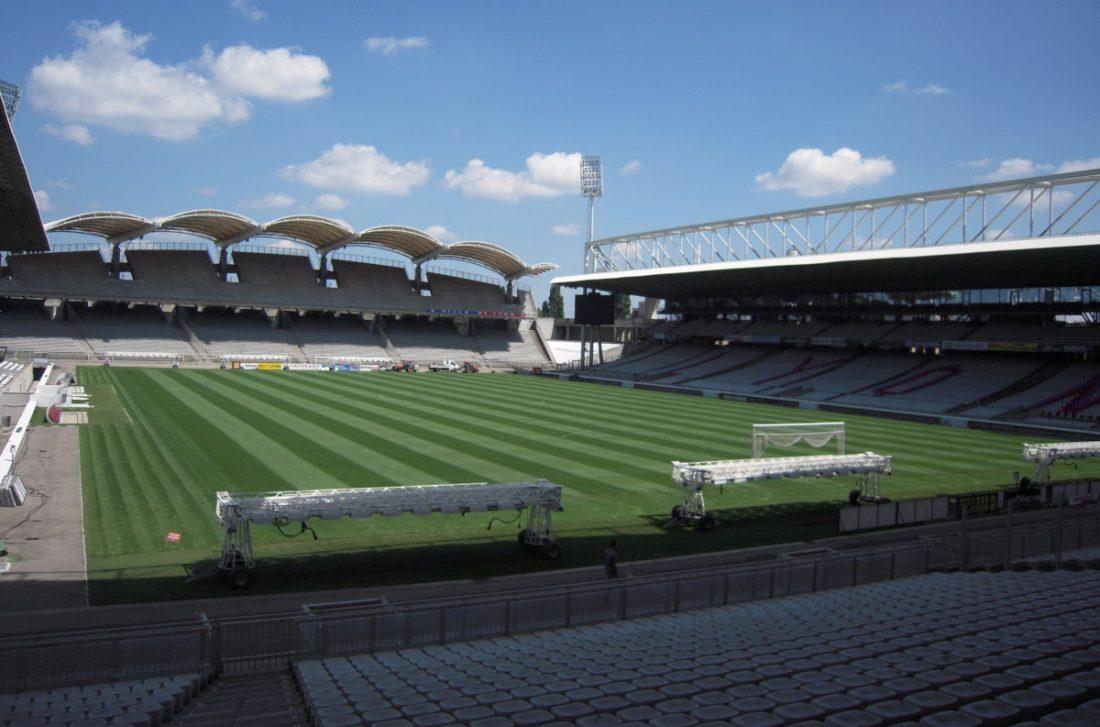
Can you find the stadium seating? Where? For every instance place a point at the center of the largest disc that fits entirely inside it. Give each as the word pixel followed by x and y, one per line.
pixel 449 291
pixel 282 280
pixel 58 274
pixel 382 287
pixel 137 331
pixel 499 345
pixel 322 336
pixel 430 342
pixel 181 276
pixel 241 334
pixel 939 649
pixel 138 702
pixel 25 327
pixel 945 382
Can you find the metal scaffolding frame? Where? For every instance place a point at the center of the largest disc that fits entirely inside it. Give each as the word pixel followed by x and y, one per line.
pixel 693 477
pixel 1036 207
pixel 237 512
pixel 1045 455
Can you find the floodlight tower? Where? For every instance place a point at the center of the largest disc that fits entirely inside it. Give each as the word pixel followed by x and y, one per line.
pixel 591 188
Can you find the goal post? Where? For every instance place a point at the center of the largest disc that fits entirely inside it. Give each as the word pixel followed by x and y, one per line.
pixel 785 436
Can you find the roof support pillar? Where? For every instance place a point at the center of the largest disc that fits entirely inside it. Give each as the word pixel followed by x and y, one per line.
pixel 419 277
pixel 223 262
pixel 116 257
pixel 322 269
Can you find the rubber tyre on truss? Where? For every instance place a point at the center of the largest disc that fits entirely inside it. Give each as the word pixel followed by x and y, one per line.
pixel 522 538
pixel 240 577
pixel 551 551
pixel 706 523
pixel 678 512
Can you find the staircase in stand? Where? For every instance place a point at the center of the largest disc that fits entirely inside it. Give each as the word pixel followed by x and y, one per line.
pixel 259 700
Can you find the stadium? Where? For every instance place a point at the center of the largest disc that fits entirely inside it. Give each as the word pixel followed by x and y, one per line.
pixel 298 471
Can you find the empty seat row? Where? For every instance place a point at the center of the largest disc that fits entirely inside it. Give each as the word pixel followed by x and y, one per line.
pixel 958 649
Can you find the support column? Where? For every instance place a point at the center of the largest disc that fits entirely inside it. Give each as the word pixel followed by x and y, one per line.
pixel 116 258
pixel 322 274
pixel 223 262
pixel 419 277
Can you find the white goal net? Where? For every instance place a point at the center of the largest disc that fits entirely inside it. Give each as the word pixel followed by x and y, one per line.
pixel 786 436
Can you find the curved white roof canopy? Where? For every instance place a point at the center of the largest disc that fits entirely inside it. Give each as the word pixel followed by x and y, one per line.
pixel 112 226
pixel 323 234
pixel 223 228
pixel 408 241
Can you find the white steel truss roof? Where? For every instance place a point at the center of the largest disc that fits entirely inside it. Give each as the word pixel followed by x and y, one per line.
pixel 720 472
pixel 1035 207
pixel 361 502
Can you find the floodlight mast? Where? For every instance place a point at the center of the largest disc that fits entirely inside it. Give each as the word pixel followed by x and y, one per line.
pixel 591 189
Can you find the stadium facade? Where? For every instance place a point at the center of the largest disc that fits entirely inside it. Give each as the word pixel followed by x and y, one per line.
pixel 966 305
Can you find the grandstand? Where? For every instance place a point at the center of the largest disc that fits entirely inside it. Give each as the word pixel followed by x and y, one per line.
pixel 944 317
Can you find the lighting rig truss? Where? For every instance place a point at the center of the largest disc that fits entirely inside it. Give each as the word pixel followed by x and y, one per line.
pixel 236 512
pixel 1045 455
pixel 694 476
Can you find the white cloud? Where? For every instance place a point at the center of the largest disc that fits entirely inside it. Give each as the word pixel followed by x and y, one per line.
pixel 278 74
pixel 812 173
pixel 248 10
pixel 42 197
pixel 566 230
pixel 330 202
pixel 359 168
pixel 389 45
pixel 978 163
pixel 441 233
pixel 546 175
pixel 631 167
pixel 932 89
pixel 207 191
pixel 1078 165
pixel 60 184
pixel 928 89
pixel 1015 168
pixel 271 201
pixel 76 133
pixel 107 81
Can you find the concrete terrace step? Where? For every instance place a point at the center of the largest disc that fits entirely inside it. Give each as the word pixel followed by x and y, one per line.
pixel 257 699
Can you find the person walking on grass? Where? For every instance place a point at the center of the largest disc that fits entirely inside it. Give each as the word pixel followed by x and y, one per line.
pixel 611 561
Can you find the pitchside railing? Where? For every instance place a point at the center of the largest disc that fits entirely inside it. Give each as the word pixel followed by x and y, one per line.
pixel 272 642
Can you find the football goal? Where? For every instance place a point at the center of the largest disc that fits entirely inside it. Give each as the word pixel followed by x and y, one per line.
pixel 786 436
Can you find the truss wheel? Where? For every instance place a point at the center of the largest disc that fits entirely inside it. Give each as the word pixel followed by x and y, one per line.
pixel 522 538
pixel 678 512
pixel 706 523
pixel 240 577
pixel 551 551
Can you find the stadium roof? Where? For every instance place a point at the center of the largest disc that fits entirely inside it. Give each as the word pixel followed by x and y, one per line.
pixel 215 225
pixel 20 224
pixel 1037 262
pixel 323 234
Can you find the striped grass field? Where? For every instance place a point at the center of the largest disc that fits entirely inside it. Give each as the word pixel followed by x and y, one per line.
pixel 161 442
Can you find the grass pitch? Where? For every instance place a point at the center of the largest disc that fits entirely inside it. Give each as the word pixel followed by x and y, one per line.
pixel 161 442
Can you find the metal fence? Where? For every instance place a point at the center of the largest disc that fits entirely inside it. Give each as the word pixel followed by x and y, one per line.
pixel 271 642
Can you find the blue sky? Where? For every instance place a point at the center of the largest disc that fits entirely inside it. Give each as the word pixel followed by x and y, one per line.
pixel 464 117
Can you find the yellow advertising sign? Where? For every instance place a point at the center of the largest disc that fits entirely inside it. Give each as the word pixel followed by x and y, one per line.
pixel 268 366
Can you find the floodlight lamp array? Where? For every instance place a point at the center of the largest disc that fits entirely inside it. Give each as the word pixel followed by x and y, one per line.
pixel 720 472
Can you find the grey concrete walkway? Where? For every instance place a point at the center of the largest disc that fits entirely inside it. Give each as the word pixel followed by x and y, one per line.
pixel 45 536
